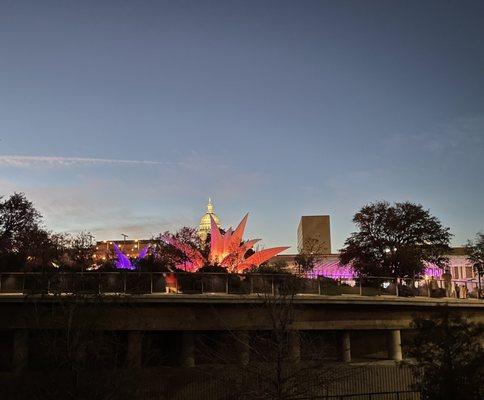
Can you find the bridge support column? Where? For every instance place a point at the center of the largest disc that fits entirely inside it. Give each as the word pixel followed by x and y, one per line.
pixel 243 347
pixel 395 345
pixel 20 350
pixel 345 347
pixel 134 349
pixel 188 349
pixel 294 346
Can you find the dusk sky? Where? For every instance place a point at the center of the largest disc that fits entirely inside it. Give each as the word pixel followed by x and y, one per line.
pixel 125 116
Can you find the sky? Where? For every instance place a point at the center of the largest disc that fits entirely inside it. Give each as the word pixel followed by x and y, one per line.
pixel 125 116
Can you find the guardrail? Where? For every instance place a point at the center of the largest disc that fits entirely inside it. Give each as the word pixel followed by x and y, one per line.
pixel 401 395
pixel 220 283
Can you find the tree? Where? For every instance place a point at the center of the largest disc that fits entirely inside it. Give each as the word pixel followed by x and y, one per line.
pixel 168 255
pixel 75 359
pixel 43 249
pixel 395 240
pixel 449 360
pixel 276 363
pixel 475 254
pixel 308 257
pixel 81 250
pixel 23 241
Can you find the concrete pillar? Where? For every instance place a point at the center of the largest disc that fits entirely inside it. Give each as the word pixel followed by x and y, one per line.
pixel 134 350
pixel 20 350
pixel 395 345
pixel 188 350
pixel 294 346
pixel 345 347
pixel 242 339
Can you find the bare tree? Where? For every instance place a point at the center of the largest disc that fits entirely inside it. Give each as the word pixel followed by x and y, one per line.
pixel 71 356
pixel 307 258
pixel 277 363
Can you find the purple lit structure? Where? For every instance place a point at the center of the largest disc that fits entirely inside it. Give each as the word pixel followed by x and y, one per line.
pixel 335 270
pixel 433 270
pixel 123 262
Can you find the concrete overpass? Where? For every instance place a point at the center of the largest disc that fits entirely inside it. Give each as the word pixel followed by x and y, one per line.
pixel 186 315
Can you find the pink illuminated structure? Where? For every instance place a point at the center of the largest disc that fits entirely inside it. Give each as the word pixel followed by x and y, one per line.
pixel 335 270
pixel 226 250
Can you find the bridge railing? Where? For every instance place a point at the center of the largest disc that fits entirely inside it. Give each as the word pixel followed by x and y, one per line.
pixel 400 395
pixel 93 282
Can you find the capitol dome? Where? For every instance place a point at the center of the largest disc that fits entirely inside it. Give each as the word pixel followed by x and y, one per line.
pixel 205 224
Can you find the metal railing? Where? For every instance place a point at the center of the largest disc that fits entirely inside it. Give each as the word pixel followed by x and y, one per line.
pixel 222 283
pixel 400 395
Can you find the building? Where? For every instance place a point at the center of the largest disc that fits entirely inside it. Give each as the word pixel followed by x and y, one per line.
pixel 104 249
pixel 205 222
pixel 313 234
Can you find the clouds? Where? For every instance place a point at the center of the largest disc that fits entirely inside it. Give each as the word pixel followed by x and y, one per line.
pixel 50 161
pixel 108 195
pixel 461 136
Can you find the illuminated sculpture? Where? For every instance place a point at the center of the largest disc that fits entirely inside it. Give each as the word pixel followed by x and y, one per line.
pixel 123 262
pixel 226 250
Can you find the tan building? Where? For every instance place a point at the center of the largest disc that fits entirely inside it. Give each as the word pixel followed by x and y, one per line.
pixel 313 234
pixel 104 249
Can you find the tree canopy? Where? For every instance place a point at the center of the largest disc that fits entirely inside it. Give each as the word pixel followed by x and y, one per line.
pixel 22 237
pixel 475 253
pixel 26 244
pixel 395 240
pixel 449 360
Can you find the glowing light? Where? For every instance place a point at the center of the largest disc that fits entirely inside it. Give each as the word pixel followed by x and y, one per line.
pixel 227 250
pixel 123 262
pixel 333 269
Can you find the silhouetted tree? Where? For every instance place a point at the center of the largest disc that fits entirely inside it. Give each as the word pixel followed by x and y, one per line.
pixel 449 360
pixel 75 359
pixel 81 250
pixel 475 254
pixel 308 257
pixel 395 240
pixel 23 241
pixel 279 363
pixel 44 250
pixel 168 256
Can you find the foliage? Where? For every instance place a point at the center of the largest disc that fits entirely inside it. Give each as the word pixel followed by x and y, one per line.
pixel 449 360
pixel 307 258
pixel 279 363
pixel 168 255
pixel 152 263
pixel 475 253
pixel 73 360
pixel 23 241
pixel 276 267
pixel 395 240
pixel 213 269
pixel 81 250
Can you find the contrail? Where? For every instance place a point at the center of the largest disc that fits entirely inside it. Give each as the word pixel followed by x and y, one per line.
pixel 29 161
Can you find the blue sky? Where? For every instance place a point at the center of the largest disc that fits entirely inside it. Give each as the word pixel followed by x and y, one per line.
pixel 125 116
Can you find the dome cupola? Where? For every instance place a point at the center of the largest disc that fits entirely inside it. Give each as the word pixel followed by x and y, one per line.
pixel 204 227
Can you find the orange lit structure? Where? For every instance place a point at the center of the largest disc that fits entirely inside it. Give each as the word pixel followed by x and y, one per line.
pixel 227 250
